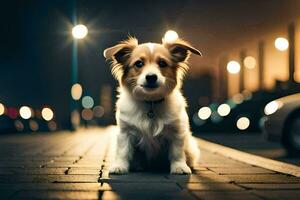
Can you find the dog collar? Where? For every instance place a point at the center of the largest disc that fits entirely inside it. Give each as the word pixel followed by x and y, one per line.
pixel 150 113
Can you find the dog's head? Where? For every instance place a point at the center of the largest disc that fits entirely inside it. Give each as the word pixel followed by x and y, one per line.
pixel 150 71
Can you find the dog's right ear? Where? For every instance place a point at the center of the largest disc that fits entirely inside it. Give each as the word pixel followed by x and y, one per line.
pixel 121 52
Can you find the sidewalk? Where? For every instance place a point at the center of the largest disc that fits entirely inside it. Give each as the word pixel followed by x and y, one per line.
pixel 72 166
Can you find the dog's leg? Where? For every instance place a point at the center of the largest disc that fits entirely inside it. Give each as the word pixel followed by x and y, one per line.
pixel 177 157
pixel 123 155
pixel 192 152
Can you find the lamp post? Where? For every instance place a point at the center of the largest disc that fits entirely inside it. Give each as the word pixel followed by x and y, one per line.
pixel 79 32
pixel 291 42
pixel 261 64
pixel 242 71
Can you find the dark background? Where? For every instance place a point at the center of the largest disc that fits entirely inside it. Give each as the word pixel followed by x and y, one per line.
pixel 36 42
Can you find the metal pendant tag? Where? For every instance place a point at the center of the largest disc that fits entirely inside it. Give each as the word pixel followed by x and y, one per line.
pixel 150 114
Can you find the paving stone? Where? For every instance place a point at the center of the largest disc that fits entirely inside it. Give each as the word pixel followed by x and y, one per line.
pixel 220 164
pixel 39 171
pixel 83 171
pixel 210 186
pixel 221 195
pixel 66 158
pixel 204 172
pixel 204 178
pixel 55 165
pixel 263 178
pixel 138 195
pixel 138 177
pixel 241 170
pixel 266 186
pixel 58 195
pixel 279 194
pixel 49 178
pixel 199 168
pixel 7 193
pixel 33 167
pixel 6 171
pixel 21 164
pixel 56 186
pixel 144 186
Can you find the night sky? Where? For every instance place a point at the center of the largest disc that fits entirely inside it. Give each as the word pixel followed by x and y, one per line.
pixel 36 41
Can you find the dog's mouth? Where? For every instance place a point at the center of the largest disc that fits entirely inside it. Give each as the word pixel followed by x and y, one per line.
pixel 150 86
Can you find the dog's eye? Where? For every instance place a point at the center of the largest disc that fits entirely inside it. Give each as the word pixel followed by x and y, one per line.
pixel 139 64
pixel 162 63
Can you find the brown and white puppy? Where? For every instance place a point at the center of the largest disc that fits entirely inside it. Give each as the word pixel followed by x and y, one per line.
pixel 151 110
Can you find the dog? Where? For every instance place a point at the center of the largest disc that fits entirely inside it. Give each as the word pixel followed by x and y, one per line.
pixel 151 110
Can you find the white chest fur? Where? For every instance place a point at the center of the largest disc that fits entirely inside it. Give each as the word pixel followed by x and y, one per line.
pixel 133 114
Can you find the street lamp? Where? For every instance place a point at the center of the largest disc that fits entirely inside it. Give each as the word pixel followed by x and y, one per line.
pixel 281 43
pixel 79 31
pixel 170 36
pixel 233 67
pixel 250 62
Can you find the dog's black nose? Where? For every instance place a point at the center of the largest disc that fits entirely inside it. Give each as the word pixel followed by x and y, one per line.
pixel 151 78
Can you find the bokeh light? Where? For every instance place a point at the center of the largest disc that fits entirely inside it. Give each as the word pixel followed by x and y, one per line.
pixel 224 109
pixel 87 102
pixel 247 94
pixel 76 91
pixel 25 112
pixel 75 118
pixel 79 31
pixel 204 113
pixel 33 125
pixel 238 98
pixel 52 126
pixel 19 125
pixel 215 117
pixel 250 62
pixel 233 67
pixel 281 44
pixel 47 114
pixel 170 36
pixel 272 107
pixel 243 123
pixel 12 113
pixel 2 109
pixel 98 111
pixel 87 114
pixel 197 121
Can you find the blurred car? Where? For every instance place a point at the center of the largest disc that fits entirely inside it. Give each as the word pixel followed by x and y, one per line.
pixel 282 122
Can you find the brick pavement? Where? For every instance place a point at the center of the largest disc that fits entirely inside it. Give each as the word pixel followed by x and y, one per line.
pixel 74 166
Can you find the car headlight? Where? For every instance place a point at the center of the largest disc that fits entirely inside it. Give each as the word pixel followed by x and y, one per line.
pixel 272 107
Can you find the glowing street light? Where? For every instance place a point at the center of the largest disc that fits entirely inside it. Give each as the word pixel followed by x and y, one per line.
pixel 2 109
pixel 224 109
pixel 76 91
pixel 170 36
pixel 47 114
pixel 272 107
pixel 87 102
pixel 281 44
pixel 250 62
pixel 233 67
pixel 204 113
pixel 79 31
pixel 243 123
pixel 25 112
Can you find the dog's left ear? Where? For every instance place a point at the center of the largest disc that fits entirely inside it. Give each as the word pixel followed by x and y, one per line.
pixel 180 49
pixel 121 52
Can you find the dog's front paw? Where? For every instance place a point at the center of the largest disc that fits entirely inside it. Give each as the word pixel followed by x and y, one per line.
pixel 118 169
pixel 180 168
